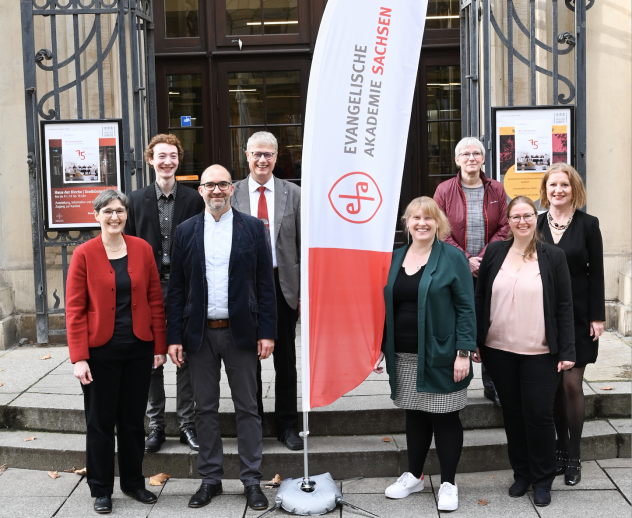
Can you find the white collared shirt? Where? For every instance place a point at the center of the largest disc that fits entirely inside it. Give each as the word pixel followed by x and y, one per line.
pixel 253 188
pixel 218 242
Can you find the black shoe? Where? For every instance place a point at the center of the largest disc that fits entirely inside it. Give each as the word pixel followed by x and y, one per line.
pixel 204 494
pixel 291 440
pixel 493 397
pixel 103 504
pixel 518 488
pixel 561 460
pixel 154 440
pixel 541 497
pixel 256 499
pixel 142 495
pixel 573 472
pixel 188 436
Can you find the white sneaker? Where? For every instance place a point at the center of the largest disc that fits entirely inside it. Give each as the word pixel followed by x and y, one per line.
pixel 405 485
pixel 448 497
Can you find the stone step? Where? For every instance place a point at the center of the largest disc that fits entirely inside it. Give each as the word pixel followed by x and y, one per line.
pixel 356 415
pixel 344 457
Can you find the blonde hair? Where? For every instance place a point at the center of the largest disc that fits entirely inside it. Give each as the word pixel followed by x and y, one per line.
pixel 578 191
pixel 535 239
pixel 429 207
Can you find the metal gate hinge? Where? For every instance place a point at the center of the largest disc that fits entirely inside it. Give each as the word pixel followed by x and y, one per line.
pixel 472 77
pixel 30 160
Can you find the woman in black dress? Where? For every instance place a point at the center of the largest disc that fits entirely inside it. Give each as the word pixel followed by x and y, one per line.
pixel 577 233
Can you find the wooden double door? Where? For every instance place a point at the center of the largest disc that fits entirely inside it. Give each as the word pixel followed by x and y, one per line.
pixel 229 100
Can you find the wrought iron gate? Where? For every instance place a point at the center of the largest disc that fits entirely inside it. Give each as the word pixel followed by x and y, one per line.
pixel 85 24
pixel 475 12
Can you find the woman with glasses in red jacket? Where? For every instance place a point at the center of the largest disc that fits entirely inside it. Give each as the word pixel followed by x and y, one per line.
pixel 116 332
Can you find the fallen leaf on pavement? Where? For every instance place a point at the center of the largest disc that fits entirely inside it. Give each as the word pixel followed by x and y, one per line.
pixel 275 482
pixel 482 502
pixel 157 480
pixel 54 474
pixel 386 439
pixel 492 476
pixel 32 438
pixel 47 357
pixel 1 384
pixel 1 370
pixel 3 468
pixel 71 470
pixel 606 388
pixel 81 471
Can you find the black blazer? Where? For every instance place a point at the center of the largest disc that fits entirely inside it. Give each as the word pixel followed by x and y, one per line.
pixel 556 286
pixel 251 294
pixel 142 217
pixel 583 247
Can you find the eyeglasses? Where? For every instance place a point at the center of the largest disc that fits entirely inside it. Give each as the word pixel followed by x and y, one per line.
pixel 476 155
pixel 108 212
pixel 527 218
pixel 210 186
pixel 267 156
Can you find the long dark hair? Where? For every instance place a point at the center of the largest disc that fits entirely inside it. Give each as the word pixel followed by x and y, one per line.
pixel 536 238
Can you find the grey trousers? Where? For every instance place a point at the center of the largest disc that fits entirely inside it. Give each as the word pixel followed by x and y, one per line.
pixel 185 404
pixel 241 369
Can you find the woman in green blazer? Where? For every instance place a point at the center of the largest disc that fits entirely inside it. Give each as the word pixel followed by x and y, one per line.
pixel 429 334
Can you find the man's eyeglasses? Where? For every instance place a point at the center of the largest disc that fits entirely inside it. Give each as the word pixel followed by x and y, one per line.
pixel 476 155
pixel 527 217
pixel 267 156
pixel 108 212
pixel 210 186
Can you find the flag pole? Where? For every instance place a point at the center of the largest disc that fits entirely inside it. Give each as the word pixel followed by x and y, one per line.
pixel 308 485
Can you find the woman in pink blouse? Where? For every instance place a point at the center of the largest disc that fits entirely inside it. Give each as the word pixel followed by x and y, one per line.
pixel 524 313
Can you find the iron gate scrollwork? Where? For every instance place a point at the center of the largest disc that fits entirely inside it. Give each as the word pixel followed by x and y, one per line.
pixel 474 12
pixel 83 26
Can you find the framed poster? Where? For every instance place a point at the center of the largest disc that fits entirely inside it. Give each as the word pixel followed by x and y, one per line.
pixel 526 141
pixel 80 159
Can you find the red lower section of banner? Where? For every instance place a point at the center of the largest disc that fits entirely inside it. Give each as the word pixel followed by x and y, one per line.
pixel 346 319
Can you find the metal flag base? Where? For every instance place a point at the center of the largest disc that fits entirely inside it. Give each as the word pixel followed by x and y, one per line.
pixel 309 496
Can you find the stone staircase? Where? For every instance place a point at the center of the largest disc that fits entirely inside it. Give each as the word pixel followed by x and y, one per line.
pixel 361 434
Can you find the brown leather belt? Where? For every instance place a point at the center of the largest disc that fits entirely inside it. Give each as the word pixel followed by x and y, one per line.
pixel 216 324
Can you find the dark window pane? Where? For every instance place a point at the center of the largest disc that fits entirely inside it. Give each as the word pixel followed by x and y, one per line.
pixel 443 14
pixel 443 92
pixel 434 181
pixel 283 94
pixel 243 17
pixel 289 159
pixel 442 139
pixel 185 99
pixel 193 143
pixel 245 91
pixel 280 16
pixel 181 18
pixel 238 141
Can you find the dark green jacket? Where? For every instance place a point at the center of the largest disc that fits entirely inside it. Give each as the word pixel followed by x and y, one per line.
pixel 446 321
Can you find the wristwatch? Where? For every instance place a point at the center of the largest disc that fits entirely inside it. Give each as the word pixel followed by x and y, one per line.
pixel 463 353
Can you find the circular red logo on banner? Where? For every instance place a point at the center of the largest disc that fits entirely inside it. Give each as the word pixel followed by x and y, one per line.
pixel 355 197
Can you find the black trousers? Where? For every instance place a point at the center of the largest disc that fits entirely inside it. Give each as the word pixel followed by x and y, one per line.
pixel 526 386
pixel 117 397
pixel 284 357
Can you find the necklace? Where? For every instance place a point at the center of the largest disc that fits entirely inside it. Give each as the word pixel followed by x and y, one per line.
pixel 111 250
pixel 415 258
pixel 557 227
pixel 517 253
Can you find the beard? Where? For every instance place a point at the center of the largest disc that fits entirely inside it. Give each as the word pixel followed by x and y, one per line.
pixel 214 207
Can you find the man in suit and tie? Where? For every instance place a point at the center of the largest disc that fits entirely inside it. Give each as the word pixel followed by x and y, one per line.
pixel 222 308
pixel 154 213
pixel 278 202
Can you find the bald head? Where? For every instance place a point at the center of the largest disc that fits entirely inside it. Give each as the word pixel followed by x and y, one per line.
pixel 217 200
pixel 215 171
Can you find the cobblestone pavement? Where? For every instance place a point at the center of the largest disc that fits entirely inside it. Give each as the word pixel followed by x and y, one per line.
pixel 604 492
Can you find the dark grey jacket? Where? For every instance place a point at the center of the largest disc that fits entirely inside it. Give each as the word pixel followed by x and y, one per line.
pixel 557 296
pixel 287 232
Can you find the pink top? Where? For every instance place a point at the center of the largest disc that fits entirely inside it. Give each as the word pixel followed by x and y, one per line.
pixel 517 311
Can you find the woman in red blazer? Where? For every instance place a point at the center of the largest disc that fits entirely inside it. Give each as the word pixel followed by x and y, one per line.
pixel 116 332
